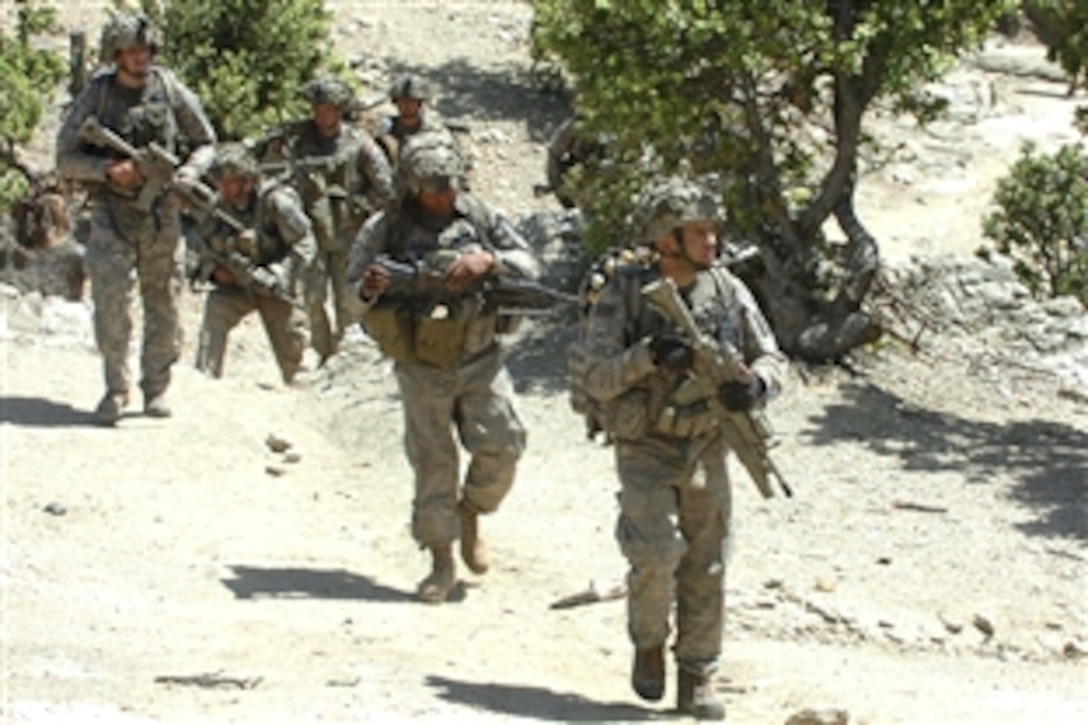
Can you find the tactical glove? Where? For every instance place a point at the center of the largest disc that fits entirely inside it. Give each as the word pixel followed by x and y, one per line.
pixel 741 396
pixel 673 353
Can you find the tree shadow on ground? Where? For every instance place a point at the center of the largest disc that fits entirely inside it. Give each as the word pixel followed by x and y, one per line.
pixel 536 702
pixel 1048 460
pixel 466 90
pixel 537 359
pixel 40 412
pixel 250 582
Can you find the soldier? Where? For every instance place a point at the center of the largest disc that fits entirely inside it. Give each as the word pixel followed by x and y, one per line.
pixel 258 251
pixel 569 147
pixel 670 453
pixel 449 362
pixel 410 94
pixel 132 230
pixel 343 177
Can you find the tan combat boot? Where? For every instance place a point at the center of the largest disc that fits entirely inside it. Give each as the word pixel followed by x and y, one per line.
pixel 155 406
pixel 109 408
pixel 648 673
pixel 473 549
pixel 439 583
pixel 695 696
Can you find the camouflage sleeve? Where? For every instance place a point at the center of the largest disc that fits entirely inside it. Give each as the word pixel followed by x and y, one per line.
pixel 72 157
pixel 373 165
pixel 615 364
pixel 195 126
pixel 761 351
pixel 293 226
pixel 369 244
pixel 513 255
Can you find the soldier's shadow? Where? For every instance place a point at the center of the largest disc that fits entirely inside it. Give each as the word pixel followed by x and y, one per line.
pixel 251 582
pixel 537 702
pixel 41 412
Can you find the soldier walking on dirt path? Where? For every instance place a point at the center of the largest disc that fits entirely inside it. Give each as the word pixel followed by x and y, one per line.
pixel 135 225
pixel 343 177
pixel 666 423
pixel 449 362
pixel 258 261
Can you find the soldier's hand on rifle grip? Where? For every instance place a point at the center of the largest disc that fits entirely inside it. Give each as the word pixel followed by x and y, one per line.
pixel 468 267
pixel 672 352
pixel 741 396
pixel 124 173
pixel 375 282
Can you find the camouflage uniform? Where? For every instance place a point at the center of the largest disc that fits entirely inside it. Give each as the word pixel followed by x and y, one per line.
pixel 342 180
pixel 675 500
pixel 473 393
pixel 280 252
pixel 123 238
pixel 392 133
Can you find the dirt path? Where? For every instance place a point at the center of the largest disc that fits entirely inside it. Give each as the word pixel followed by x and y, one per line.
pixel 160 573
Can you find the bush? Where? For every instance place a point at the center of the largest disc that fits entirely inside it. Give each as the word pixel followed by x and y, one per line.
pixel 1041 221
pixel 29 76
pixel 246 59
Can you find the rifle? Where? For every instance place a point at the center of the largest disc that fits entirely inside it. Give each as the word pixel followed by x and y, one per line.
pixel 241 262
pixel 748 433
pixel 425 286
pixel 155 163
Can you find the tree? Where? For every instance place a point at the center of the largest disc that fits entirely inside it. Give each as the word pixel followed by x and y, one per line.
pixel 1063 26
pixel 774 92
pixel 29 76
pixel 246 59
pixel 1041 221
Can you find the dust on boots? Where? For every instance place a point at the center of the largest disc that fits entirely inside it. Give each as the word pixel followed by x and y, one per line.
pixel 437 585
pixel 695 696
pixel 473 549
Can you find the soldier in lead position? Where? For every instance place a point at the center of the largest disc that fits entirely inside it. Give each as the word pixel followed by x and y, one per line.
pixel 142 103
pixel 675 499
pixel 449 363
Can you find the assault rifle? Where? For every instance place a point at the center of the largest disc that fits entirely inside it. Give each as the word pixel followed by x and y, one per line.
pixel 748 433
pixel 156 164
pixel 425 286
pixel 240 255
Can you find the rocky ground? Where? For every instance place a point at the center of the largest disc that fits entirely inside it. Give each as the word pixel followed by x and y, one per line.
pixel 930 568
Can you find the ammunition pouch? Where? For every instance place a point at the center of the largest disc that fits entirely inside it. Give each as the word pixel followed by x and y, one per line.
pixel 686 421
pixel 392 327
pixel 440 335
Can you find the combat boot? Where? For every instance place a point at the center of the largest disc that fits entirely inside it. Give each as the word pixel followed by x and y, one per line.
pixel 695 696
pixel 109 408
pixel 473 549
pixel 439 583
pixel 648 674
pixel 155 406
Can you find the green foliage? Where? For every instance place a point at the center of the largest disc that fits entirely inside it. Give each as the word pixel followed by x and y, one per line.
pixel 741 86
pixel 29 76
pixel 1064 25
pixel 246 59
pixel 1041 221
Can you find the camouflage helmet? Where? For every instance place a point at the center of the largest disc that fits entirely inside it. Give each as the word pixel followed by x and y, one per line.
pixel 331 90
pixel 409 86
pixel 123 31
pixel 234 158
pixel 429 160
pixel 670 203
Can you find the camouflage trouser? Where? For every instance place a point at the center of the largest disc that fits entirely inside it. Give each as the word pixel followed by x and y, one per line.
pixel 477 399
pixel 672 528
pixel 126 246
pixel 226 306
pixel 331 268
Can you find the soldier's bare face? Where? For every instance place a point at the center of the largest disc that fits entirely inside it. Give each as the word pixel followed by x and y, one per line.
pixel 133 64
pixel 236 191
pixel 700 240
pixel 409 110
pixel 438 203
pixel 327 117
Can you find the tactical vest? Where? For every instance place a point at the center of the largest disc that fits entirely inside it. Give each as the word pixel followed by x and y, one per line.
pixel 334 195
